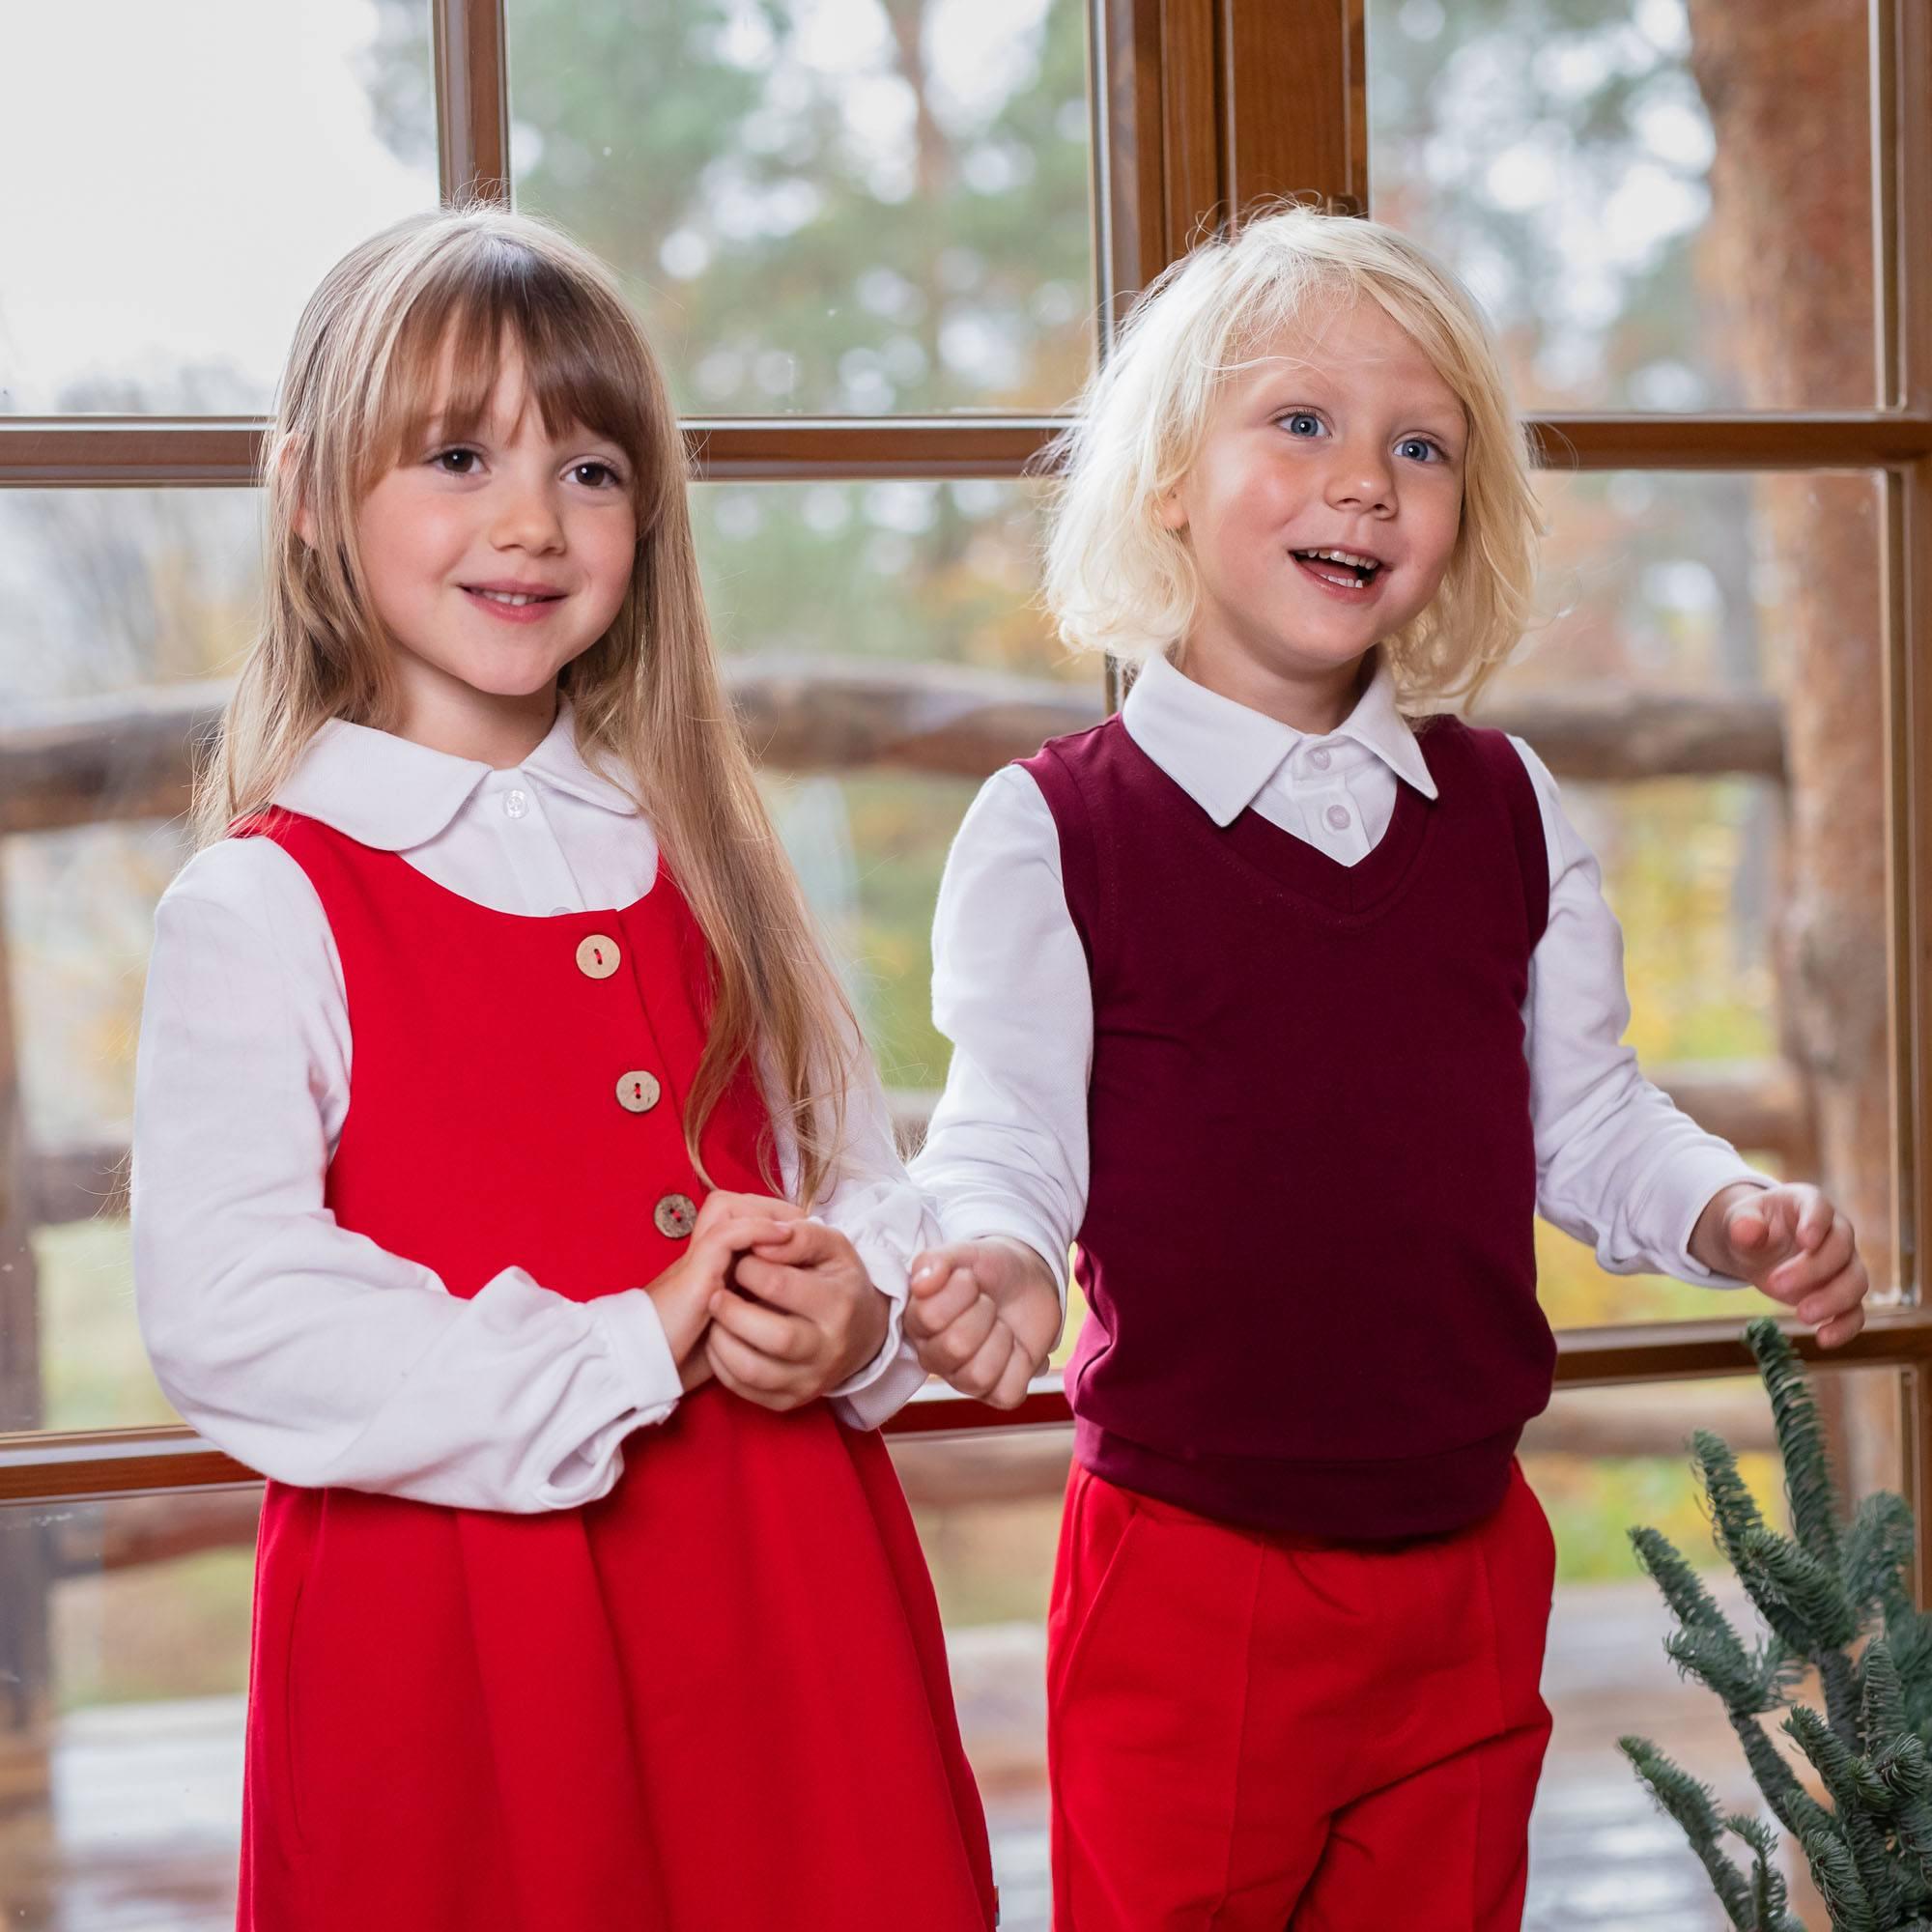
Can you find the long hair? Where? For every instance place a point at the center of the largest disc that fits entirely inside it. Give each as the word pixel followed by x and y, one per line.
pixel 457 291
pixel 1118 581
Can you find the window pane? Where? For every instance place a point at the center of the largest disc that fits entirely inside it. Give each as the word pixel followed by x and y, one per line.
pixel 127 1626
pixel 187 194
pixel 817 579
pixel 852 209
pixel 1752 903
pixel 1664 207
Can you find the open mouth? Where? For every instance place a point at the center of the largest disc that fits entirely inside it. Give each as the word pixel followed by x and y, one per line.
pixel 514 600
pixel 1342 569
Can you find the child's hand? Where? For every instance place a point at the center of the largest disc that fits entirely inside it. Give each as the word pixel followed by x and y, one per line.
pixel 816 1319
pixel 1793 1244
pixel 983 1314
pixel 728 1225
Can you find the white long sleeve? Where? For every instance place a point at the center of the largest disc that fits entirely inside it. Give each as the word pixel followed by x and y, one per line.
pixel 309 1351
pixel 1617 1164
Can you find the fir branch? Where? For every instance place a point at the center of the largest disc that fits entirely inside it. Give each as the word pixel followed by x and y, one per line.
pixel 1881 1700
pixel 1860 1796
pixel 1707 1646
pixel 1878 1548
pixel 1836 1875
pixel 1734 1509
pixel 1807 1469
pixel 1820 1618
pixel 1791 1804
pixel 1769 1894
pixel 1681 1797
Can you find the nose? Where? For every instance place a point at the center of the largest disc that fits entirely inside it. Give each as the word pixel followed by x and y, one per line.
pixel 527 517
pixel 1360 479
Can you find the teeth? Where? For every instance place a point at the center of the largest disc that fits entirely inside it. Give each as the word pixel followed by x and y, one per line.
pixel 1353 558
pixel 516 601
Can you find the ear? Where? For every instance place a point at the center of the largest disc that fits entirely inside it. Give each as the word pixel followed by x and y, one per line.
pixel 1173 511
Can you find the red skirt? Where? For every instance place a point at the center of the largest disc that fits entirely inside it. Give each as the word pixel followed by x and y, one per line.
pixel 715 1701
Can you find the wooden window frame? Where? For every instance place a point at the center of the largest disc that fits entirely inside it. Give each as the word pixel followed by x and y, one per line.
pixel 1187 124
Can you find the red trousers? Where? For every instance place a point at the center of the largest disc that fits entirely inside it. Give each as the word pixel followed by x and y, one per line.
pixel 1249 1732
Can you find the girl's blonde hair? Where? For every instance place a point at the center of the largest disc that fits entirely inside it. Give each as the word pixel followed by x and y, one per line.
pixel 1118 581
pixel 456 292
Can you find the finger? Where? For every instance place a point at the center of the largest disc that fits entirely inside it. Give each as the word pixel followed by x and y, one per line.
pixel 981 1376
pixel 727 1205
pixel 936 1311
pixel 1812 1215
pixel 1837 1332
pixel 1843 1291
pixel 737 1236
pixel 780 1337
pixel 933 1267
pixel 754 1371
pixel 801 1291
pixel 1011 1388
pixel 952 1351
pixel 764 1398
pixel 1805 1270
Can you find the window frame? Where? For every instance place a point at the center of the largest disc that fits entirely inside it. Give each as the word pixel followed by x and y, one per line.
pixel 1186 124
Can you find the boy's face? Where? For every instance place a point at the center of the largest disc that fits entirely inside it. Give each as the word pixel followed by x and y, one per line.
pixel 1341 437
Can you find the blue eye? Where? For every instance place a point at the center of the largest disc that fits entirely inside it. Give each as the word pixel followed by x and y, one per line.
pixel 1301 423
pixel 1418 449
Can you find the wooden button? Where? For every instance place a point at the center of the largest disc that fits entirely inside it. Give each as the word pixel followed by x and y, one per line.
pixel 597 956
pixel 638 1091
pixel 675 1215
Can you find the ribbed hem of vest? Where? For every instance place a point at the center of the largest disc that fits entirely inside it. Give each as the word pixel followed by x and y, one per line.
pixel 1355 1502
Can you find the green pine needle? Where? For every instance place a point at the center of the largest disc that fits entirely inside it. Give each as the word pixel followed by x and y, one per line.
pixel 1819 1617
pixel 1808 1470
pixel 1692 1805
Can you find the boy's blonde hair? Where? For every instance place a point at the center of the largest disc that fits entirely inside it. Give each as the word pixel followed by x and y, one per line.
pixel 1118 581
pixel 457 291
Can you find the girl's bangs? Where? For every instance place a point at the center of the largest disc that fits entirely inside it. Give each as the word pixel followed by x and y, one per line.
pixel 581 359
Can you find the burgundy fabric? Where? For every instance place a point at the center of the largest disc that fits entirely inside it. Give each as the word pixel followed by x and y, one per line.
pixel 717 1698
pixel 1307 1253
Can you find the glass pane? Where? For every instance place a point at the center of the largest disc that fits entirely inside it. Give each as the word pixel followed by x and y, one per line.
pixel 1663 207
pixel 807 577
pixel 186 196
pixel 126 1626
pixel 1753 905
pixel 117 599
pixel 853 210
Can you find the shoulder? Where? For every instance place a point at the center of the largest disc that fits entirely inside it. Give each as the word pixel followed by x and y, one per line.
pixel 243 886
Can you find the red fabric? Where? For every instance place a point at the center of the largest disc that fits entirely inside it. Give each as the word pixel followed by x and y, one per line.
pixel 1271 1026
pixel 718 1697
pixel 1248 1732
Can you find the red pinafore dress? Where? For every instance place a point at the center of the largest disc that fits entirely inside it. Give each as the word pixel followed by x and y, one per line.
pixel 714 1700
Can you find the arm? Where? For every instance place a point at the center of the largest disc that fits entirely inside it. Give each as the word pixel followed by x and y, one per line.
pixel 1617 1164
pixel 303 1348
pixel 1007 1154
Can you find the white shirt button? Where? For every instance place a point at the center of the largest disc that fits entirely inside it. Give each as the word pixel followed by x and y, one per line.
pixel 1337 815
pixel 1320 758
pixel 515 803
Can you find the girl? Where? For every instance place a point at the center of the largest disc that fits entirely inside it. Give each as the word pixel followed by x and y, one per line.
pixel 1293 1004
pixel 489 1067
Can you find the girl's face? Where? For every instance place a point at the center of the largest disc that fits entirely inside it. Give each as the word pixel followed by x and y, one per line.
pixel 1342 438
pixel 493 562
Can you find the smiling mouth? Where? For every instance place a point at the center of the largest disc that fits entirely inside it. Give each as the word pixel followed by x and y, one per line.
pixel 514 600
pixel 1345 569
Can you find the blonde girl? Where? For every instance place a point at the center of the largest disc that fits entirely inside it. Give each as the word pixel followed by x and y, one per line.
pixel 508 1189
pixel 1293 999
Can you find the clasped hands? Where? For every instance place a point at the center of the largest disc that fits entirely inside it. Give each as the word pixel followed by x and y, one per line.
pixel 776 1305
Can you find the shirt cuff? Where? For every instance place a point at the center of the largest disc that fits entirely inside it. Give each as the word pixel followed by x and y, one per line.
pixel 634 1335
pixel 1679 1196
pixel 975 1218
pixel 887 1269
pixel 898 1380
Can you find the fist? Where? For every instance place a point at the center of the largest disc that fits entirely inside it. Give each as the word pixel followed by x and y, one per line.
pixel 1793 1245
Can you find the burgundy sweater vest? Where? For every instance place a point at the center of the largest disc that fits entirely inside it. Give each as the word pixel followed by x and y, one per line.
pixel 1307 1253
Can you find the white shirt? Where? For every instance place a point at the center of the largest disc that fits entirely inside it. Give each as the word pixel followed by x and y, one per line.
pixel 306 1351
pixel 1617 1164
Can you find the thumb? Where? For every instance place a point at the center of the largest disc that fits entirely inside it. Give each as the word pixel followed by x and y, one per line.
pixel 933 1267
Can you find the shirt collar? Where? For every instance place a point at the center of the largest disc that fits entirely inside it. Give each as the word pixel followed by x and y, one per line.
pixel 393 794
pixel 1221 753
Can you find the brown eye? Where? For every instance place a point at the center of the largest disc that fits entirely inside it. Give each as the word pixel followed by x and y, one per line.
pixel 598 476
pixel 456 462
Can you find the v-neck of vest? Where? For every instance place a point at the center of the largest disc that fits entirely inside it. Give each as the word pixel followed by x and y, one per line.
pixel 1358 892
